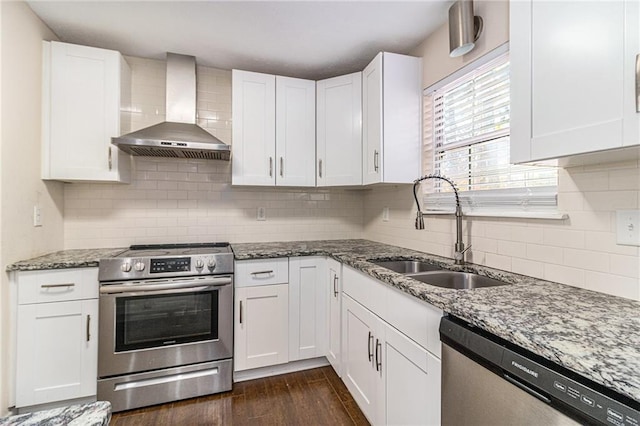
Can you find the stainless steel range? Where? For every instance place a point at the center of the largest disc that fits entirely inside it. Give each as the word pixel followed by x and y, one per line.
pixel 166 324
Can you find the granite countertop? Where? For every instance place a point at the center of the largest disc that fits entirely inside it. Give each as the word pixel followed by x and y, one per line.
pixel 93 414
pixel 64 259
pixel 593 334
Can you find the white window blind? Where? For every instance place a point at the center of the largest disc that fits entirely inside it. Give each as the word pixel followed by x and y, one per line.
pixel 466 138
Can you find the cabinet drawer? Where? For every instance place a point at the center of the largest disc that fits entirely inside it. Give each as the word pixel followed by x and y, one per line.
pixel 57 285
pixel 249 273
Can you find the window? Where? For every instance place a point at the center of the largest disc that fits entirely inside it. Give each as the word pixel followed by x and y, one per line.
pixel 466 138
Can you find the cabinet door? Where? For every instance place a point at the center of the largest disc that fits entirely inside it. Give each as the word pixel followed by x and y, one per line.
pixel 261 326
pixel 408 391
pixel 254 112
pixel 295 132
pixel 570 68
pixel 358 339
pixel 57 351
pixel 307 307
pixel 372 121
pixel 339 130
pixel 81 112
pixel 334 295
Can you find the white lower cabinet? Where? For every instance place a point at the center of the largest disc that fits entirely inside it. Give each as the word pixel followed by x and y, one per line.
pixel 393 379
pixel 261 326
pixel 333 289
pixel 307 307
pixel 56 336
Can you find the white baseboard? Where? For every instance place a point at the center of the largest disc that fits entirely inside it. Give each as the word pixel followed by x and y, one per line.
pixel 274 370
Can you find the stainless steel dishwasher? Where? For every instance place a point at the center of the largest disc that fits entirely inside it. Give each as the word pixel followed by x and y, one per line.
pixel 488 381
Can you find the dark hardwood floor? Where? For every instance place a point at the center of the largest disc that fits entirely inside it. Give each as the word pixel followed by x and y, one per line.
pixel 311 397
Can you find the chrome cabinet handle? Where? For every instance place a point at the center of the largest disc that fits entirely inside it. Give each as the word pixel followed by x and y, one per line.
pixel 375 160
pixel 320 167
pixel 270 166
pixel 335 286
pixel 262 272
pixel 281 167
pixel 110 161
pixel 241 312
pixel 88 327
pixel 57 285
pixel 369 348
pixel 378 355
pixel 638 83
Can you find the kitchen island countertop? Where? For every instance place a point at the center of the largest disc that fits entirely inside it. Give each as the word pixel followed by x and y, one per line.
pixel 594 334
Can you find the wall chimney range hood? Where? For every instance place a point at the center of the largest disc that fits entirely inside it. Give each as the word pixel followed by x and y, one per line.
pixel 179 136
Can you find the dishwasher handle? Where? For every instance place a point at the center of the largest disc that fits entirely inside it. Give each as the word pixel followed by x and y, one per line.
pixel 526 388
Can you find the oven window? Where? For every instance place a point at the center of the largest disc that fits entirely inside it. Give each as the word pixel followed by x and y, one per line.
pixel 167 319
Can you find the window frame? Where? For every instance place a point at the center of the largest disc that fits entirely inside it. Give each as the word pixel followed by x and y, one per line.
pixel 534 202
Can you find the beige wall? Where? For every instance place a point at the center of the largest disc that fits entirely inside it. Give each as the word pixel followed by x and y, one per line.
pixel 580 251
pixel 20 185
pixel 435 49
pixel 175 200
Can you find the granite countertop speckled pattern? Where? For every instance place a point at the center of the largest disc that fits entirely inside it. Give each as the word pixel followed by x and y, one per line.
pixel 64 259
pixel 93 414
pixel 593 334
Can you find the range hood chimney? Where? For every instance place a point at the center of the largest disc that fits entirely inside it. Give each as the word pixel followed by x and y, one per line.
pixel 179 136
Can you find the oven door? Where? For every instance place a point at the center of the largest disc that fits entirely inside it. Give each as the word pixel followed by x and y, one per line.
pixel 153 324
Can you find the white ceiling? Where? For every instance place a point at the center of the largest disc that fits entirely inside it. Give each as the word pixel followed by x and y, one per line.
pixel 306 39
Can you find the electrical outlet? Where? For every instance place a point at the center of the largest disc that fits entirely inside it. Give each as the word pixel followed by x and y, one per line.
pixel 628 227
pixel 37 216
pixel 385 214
pixel 262 214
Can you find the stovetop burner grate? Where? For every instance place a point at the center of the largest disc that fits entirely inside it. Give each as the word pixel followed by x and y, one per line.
pixel 176 246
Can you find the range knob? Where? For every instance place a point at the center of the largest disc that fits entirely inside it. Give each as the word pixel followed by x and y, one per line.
pixel 139 266
pixel 199 264
pixel 211 264
pixel 126 267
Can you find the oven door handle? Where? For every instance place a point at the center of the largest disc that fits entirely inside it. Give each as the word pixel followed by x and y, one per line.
pixel 165 288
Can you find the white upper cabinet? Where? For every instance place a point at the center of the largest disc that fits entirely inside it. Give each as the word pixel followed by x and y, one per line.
pixel 339 130
pixel 273 130
pixel 86 97
pixel 254 131
pixel 573 77
pixel 391 99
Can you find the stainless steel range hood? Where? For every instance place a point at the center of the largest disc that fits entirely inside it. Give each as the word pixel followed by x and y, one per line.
pixel 179 136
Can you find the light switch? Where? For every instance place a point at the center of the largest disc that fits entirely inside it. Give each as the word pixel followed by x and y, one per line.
pixel 628 227
pixel 37 216
pixel 385 214
pixel 262 214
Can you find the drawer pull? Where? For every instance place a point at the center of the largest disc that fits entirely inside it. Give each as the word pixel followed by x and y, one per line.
pixel 57 285
pixel 88 327
pixel 262 272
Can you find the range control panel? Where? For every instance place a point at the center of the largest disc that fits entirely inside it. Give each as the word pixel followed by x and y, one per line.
pixel 172 264
pixel 578 396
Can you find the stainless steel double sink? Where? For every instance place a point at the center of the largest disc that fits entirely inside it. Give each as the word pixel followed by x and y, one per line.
pixel 433 274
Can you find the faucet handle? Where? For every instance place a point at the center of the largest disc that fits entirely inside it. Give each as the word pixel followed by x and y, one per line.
pixel 465 250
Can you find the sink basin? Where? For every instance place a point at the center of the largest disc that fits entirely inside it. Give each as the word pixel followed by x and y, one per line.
pixel 456 280
pixel 407 266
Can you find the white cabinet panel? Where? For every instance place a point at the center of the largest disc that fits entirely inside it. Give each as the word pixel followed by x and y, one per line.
pixel 57 353
pixel 334 295
pixel 85 92
pixel 307 307
pixel 261 326
pixel 254 115
pixel 339 130
pixel 411 376
pixel 249 273
pixel 391 106
pixel 273 130
pixel 295 131
pixel 358 334
pixel 572 77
